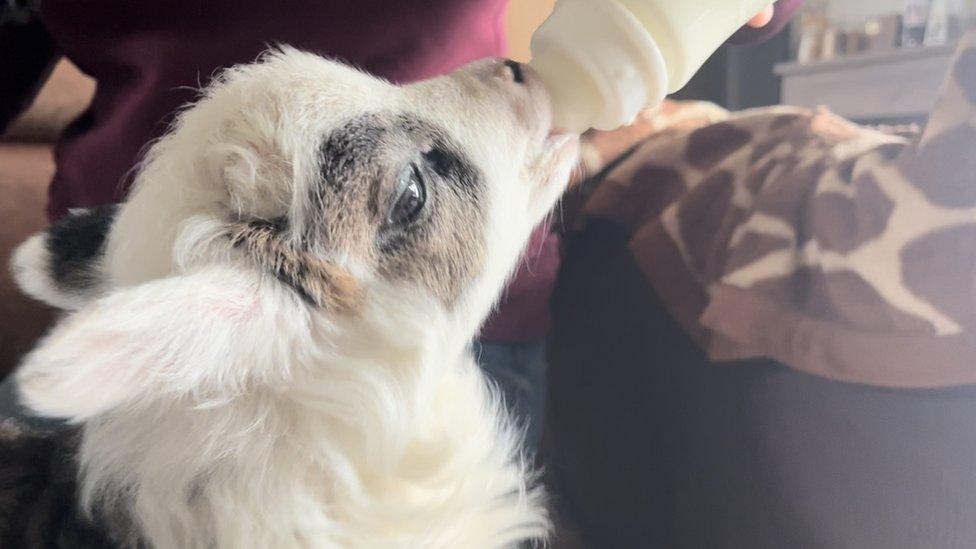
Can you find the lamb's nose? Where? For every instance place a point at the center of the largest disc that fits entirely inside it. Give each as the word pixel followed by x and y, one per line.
pixel 518 74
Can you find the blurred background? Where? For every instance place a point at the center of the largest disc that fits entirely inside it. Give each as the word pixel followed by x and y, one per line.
pixel 874 61
pixel 659 441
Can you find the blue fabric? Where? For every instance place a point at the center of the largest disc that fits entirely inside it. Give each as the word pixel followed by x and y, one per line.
pixel 519 370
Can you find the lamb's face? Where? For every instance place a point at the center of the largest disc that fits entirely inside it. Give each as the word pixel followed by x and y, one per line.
pixel 299 176
pixel 340 183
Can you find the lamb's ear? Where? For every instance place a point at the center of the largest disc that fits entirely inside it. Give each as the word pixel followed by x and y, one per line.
pixel 62 266
pixel 203 336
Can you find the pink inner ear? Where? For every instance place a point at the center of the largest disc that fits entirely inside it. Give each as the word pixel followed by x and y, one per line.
pixel 169 336
pixel 233 309
pixel 110 345
pixel 85 378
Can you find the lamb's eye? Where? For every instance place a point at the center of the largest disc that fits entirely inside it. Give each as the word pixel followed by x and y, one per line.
pixel 410 198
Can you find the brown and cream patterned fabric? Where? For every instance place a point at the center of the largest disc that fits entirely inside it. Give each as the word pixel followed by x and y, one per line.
pixel 841 251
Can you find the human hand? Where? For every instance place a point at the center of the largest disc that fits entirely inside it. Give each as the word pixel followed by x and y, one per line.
pixel 762 18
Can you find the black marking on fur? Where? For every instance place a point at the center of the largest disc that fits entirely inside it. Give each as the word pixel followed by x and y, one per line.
pixel 38 491
pixel 445 157
pixel 348 156
pixel 518 75
pixel 455 168
pixel 355 152
pixel 76 244
pixel 316 281
pixel 275 229
pixel 345 149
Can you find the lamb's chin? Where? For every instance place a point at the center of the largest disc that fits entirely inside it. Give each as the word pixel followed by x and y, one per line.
pixel 558 157
pixel 565 148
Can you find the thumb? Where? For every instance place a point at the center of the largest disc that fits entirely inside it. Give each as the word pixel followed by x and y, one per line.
pixel 762 18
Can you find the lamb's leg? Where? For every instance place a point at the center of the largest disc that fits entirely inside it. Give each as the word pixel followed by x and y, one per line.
pixel 62 266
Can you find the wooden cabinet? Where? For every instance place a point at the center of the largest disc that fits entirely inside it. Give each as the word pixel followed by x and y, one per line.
pixel 894 86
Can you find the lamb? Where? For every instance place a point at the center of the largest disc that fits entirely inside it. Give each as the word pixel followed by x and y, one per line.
pixel 267 344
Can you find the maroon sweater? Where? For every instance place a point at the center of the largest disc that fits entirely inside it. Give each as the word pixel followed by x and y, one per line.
pixel 149 57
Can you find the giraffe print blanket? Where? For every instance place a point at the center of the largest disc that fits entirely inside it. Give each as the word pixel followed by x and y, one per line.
pixel 838 250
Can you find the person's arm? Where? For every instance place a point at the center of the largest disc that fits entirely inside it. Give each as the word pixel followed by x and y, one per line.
pixel 27 56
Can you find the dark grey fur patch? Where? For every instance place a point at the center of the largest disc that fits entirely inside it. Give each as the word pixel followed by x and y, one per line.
pixel 76 244
pixel 38 491
pixel 444 248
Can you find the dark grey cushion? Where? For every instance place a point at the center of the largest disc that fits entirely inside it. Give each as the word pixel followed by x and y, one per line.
pixel 651 445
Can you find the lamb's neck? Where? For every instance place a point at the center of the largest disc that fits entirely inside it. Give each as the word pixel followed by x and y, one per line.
pixel 367 413
pixel 395 371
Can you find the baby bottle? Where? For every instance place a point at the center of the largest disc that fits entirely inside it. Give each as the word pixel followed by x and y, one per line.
pixel 604 61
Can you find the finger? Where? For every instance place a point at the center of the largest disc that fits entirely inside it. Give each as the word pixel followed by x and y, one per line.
pixel 762 18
